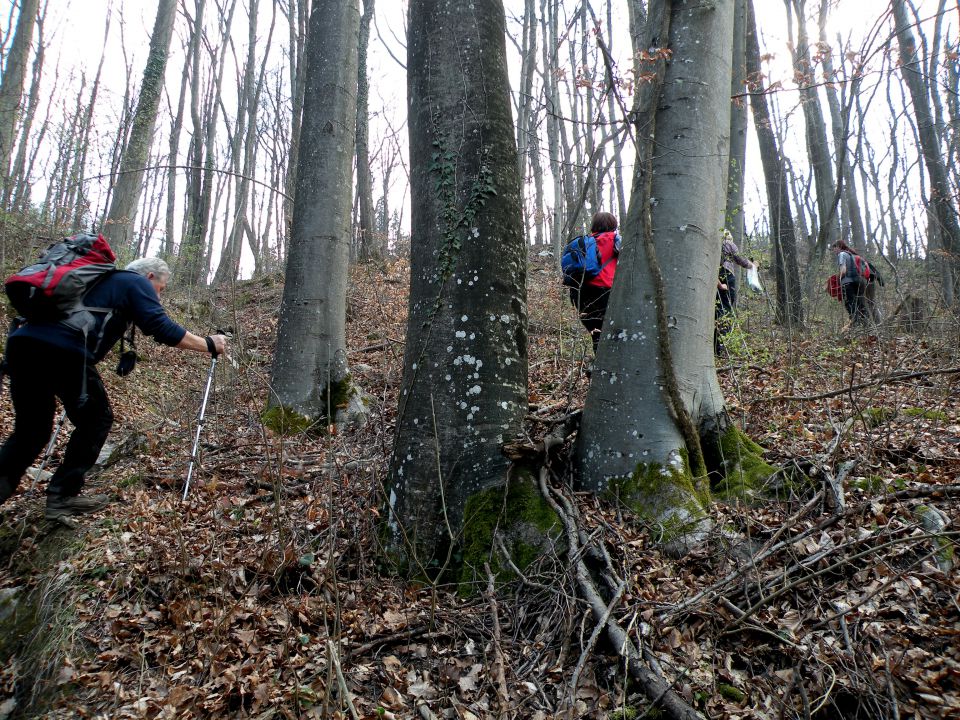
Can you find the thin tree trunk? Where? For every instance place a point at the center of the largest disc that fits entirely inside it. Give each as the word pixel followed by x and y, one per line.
pixel 126 192
pixel 368 249
pixel 941 197
pixel 16 191
pixel 11 84
pixel 852 226
pixel 733 217
pixel 786 268
pixel 173 155
pixel 816 133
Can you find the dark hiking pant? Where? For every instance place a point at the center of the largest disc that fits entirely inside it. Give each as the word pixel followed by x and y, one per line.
pixel 39 374
pixel 591 303
pixel 725 304
pixel 855 303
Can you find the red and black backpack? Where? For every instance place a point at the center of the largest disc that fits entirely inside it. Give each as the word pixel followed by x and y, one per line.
pixel 52 289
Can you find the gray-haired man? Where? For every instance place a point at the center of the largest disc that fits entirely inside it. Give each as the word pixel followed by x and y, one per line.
pixel 47 361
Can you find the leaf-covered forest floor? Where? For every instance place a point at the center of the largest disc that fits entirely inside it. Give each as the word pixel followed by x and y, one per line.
pixel 262 597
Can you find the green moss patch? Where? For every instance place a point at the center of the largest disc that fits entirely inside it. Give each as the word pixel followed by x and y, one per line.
pixel 741 465
pixel 663 495
pixel 870 483
pixel 520 516
pixel 925 414
pixel 731 693
pixel 875 416
pixel 336 395
pixel 286 421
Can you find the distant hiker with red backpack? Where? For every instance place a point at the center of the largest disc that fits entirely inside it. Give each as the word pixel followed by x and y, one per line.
pixel 77 306
pixel 589 263
pixel 854 274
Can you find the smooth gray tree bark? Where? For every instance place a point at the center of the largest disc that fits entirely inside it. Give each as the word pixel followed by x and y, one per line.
pixel 310 371
pixel 654 415
pixel 465 364
pixel 118 228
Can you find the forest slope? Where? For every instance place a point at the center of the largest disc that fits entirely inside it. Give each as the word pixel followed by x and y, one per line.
pixel 261 596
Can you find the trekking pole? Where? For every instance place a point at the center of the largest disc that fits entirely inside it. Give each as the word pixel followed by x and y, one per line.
pixel 203 410
pixel 50 445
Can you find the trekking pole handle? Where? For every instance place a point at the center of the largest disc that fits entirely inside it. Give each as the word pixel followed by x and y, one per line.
pixel 211 347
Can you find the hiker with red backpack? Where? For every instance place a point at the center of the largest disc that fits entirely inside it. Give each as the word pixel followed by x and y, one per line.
pixel 853 276
pixel 589 263
pixel 77 306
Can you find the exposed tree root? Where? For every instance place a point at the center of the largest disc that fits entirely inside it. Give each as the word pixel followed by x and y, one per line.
pixel 654 686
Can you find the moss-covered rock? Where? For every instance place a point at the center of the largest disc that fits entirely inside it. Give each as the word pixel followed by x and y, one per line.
pixel 742 467
pixel 520 516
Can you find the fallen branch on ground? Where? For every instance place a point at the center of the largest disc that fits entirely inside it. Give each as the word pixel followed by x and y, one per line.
pixel 853 388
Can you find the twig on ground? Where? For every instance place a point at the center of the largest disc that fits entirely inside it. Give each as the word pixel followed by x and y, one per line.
pixel 341 680
pixel 503 697
pixel 656 688
pixel 851 388
pixel 591 643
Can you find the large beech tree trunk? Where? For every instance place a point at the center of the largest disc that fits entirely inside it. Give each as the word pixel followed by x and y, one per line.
pixel 654 400
pixel 310 372
pixel 126 191
pixel 465 366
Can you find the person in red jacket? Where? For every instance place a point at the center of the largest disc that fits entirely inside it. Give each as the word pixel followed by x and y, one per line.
pixel 592 297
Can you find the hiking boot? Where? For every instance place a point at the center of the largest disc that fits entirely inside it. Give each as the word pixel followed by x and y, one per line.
pixel 60 506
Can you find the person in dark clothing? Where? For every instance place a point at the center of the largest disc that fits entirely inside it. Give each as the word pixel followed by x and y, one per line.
pixel 726 302
pixel 591 298
pixel 852 285
pixel 47 361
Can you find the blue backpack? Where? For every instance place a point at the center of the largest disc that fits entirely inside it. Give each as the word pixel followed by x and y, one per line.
pixel 580 261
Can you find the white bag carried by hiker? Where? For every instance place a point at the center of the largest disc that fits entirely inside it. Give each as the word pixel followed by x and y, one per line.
pixel 753 279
